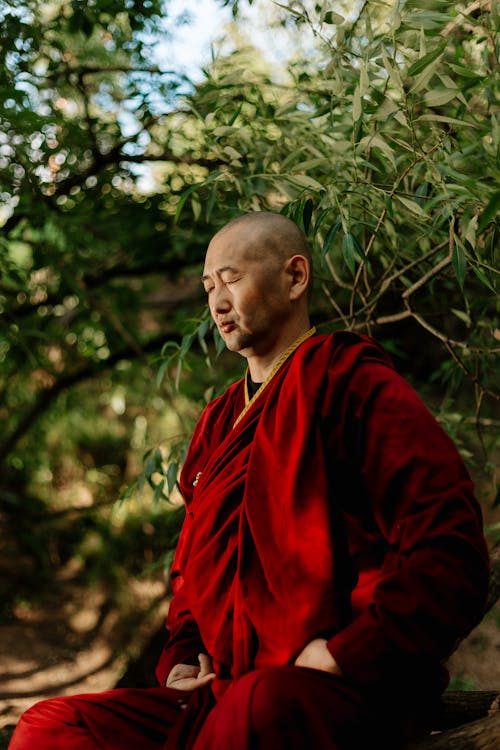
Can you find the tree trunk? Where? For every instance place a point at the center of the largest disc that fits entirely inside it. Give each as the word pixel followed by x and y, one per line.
pixel 482 734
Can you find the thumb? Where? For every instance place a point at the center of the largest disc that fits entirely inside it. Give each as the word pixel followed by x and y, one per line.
pixel 206 667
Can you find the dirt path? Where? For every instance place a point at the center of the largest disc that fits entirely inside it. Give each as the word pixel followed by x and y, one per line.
pixel 73 642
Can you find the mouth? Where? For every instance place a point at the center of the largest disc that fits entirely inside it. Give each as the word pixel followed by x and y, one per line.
pixel 227 327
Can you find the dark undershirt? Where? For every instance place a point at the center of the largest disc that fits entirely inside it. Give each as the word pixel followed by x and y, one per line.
pixel 252 387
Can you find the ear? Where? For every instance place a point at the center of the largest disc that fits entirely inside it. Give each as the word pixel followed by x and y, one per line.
pixel 299 272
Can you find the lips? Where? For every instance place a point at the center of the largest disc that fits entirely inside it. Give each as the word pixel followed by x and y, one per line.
pixel 227 326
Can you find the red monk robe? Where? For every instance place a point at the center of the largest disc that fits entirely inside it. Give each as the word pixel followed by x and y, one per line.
pixel 334 507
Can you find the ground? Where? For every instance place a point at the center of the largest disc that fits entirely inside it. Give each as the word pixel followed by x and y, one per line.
pixel 74 641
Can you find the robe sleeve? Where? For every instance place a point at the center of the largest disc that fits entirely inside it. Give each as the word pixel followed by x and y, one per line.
pixel 183 638
pixel 432 586
pixel 183 643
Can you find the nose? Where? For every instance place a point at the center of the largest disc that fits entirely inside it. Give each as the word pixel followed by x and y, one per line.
pixel 220 302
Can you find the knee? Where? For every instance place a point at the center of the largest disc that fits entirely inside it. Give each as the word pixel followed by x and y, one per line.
pixel 271 698
pixel 49 712
pixel 56 709
pixel 41 717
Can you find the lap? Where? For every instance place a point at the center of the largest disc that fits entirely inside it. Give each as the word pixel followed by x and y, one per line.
pixel 122 718
pixel 287 707
pixel 277 707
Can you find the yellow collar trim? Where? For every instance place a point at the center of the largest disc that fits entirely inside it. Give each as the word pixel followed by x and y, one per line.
pixel 286 354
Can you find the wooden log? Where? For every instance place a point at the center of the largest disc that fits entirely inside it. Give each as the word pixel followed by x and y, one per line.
pixel 461 706
pixel 482 734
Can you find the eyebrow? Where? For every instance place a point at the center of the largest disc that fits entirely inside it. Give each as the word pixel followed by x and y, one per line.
pixel 205 276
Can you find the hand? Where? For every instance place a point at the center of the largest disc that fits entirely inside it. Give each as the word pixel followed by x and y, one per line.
pixel 317 656
pixel 191 677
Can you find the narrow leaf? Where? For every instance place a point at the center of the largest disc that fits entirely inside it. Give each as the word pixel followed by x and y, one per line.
pixel 348 252
pixel 171 476
pixel 330 238
pixel 356 104
pixel 483 278
pixel 358 249
pixel 158 493
pixel 411 205
pixel 463 316
pixel 307 214
pixel 421 193
pixel 321 218
pixel 459 263
pixel 490 211
pixel 424 61
pixel 438 97
pixel 185 195
pixel 333 18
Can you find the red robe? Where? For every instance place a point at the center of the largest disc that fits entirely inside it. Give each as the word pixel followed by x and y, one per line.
pixel 336 507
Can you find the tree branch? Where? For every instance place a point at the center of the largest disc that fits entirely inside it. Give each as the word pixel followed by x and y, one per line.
pixel 90 370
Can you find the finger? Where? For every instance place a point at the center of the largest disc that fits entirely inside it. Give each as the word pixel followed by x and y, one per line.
pixel 205 679
pixel 205 664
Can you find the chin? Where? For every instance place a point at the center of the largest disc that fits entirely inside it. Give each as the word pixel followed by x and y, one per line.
pixel 239 343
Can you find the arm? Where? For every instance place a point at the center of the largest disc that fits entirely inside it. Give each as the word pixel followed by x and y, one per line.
pixel 184 644
pixel 432 585
pixel 184 654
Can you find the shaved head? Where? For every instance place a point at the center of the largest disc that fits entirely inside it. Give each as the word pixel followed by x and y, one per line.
pixel 269 237
pixel 256 276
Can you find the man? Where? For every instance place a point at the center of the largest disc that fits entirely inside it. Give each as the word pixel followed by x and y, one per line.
pixel 332 552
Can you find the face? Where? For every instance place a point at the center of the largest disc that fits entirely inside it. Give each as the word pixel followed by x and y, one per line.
pixel 248 296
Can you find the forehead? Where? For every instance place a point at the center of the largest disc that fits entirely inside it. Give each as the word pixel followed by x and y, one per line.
pixel 230 248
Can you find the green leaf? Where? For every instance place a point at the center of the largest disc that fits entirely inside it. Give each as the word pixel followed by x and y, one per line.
pixel 161 371
pixel 483 278
pixel 304 181
pixel 330 238
pixel 421 193
pixel 490 211
pixel 290 10
pixel 172 470
pixel 426 60
pixel 411 205
pixel 219 342
pixel 359 250
pixel 438 97
pixel 333 18
pixel 158 493
pixel 442 118
pixel 463 316
pixel 348 251
pixel 203 328
pixel 185 195
pixel 357 108
pixel 459 263
pixel 307 215
pixel 320 220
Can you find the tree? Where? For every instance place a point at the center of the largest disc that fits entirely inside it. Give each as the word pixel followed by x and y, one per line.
pixel 382 143
pixel 400 109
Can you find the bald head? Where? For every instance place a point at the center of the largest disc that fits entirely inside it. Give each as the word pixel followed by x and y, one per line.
pixel 256 275
pixel 268 237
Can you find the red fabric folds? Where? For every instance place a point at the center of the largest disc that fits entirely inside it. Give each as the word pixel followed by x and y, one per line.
pixel 337 507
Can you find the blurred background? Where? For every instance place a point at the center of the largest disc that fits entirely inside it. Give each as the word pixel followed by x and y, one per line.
pixel 130 132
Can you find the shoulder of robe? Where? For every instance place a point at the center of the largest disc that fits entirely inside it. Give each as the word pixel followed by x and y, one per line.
pixel 353 346
pixel 213 412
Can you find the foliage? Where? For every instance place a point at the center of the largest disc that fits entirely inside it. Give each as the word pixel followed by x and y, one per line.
pixel 382 142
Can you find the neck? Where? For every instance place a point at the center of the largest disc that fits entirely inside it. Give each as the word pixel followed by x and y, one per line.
pixel 260 365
